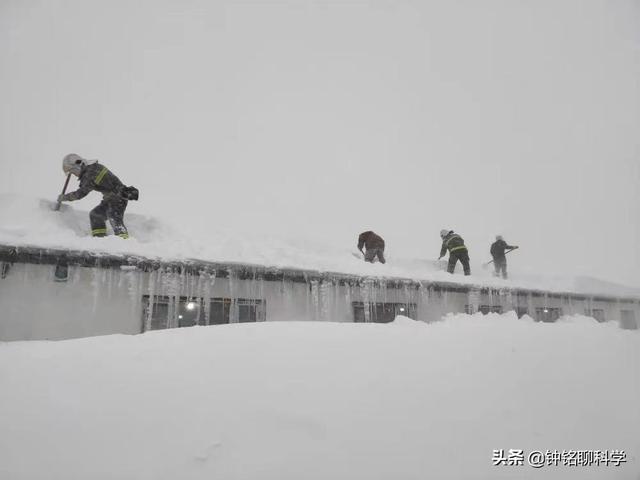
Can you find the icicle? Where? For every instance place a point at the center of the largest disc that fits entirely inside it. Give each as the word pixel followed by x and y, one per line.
pixel 153 279
pixel 233 308
pixel 315 300
pixel 95 285
pixel 423 302
pixel 206 282
pixel 530 307
pixel 348 296
pixel 108 280
pixel 75 275
pixel 324 299
pixel 367 298
pixel 176 290
pixel 288 291
pixel 133 286
pixel 183 284
pixel 473 300
pixel 335 295
pixel 506 299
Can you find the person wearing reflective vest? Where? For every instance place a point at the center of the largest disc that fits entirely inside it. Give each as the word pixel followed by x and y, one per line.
pixel 115 195
pixel 457 251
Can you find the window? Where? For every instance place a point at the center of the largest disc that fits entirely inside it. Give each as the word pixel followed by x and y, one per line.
pixel 382 312
pixel 159 315
pixel 219 309
pixel 4 269
pixel 484 309
pixel 548 314
pixel 61 273
pixel 250 310
pixel 171 312
pixel 596 313
pixel 628 320
pixel 189 312
pixel 238 310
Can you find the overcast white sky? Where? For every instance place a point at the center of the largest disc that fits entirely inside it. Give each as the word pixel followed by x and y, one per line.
pixel 328 118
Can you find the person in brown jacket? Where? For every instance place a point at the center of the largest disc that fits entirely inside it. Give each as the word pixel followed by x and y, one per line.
pixel 374 245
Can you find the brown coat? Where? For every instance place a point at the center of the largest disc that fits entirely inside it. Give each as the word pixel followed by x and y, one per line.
pixel 370 240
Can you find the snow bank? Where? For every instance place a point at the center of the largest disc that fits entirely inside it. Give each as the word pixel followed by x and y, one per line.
pixel 24 221
pixel 282 400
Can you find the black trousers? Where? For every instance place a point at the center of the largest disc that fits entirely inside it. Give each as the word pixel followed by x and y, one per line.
pixel 463 256
pixel 371 254
pixel 500 264
pixel 112 208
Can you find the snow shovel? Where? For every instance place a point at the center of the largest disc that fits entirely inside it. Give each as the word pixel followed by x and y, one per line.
pixel 361 256
pixel 486 265
pixel 64 190
pixel 57 205
pixel 439 264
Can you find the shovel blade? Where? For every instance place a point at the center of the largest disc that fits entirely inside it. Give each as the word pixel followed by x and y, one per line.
pixel 49 205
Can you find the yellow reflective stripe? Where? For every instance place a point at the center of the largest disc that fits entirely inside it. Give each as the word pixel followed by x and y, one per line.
pixel 101 175
pixel 454 236
pixel 97 231
pixel 457 248
pixel 123 235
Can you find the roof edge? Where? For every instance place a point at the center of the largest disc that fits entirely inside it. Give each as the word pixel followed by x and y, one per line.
pixel 246 271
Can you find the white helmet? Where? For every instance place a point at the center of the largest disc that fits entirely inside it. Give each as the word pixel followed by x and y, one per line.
pixel 73 163
pixel 444 233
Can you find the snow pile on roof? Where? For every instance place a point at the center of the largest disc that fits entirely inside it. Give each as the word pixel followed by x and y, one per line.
pixel 306 400
pixel 25 221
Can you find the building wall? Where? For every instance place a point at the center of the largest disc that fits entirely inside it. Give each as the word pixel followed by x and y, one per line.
pixel 33 306
pixel 99 301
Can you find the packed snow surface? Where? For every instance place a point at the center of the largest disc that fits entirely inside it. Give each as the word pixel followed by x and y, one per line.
pixel 305 400
pixel 30 222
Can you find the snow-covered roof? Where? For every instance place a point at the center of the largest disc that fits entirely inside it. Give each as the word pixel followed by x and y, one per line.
pixel 28 222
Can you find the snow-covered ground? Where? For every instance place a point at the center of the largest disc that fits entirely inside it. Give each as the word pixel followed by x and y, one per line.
pixel 289 400
pixel 26 221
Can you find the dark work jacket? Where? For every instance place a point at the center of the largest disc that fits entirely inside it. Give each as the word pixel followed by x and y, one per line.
pixel 96 177
pixel 452 242
pixel 370 240
pixel 498 247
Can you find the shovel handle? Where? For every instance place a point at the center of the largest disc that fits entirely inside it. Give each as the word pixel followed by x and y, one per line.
pixel 64 190
pixel 491 261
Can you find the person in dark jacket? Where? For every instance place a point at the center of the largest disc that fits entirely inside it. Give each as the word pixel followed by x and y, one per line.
pixel 374 245
pixel 95 176
pixel 457 251
pixel 499 256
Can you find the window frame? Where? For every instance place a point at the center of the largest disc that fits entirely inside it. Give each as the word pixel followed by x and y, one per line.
pixel 548 314
pixel 176 309
pixel 380 312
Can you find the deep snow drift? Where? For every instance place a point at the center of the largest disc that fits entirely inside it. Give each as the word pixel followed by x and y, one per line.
pixel 281 400
pixel 24 221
